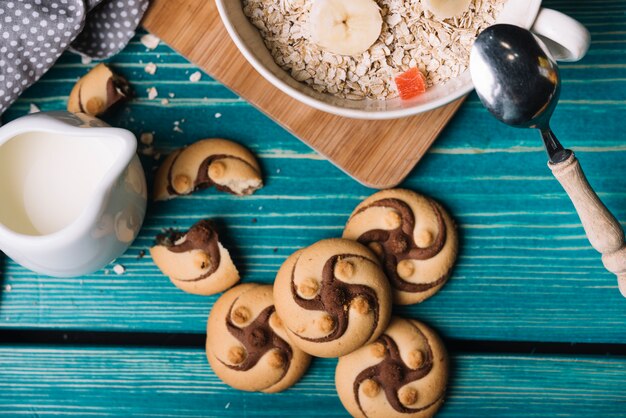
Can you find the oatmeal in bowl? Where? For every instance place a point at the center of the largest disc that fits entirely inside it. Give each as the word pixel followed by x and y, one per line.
pixel 406 35
pixel 370 59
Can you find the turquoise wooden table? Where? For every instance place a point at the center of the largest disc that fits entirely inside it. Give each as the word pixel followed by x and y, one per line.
pixel 535 325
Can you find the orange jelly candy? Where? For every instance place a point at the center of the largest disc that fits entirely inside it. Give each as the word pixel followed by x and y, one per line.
pixel 411 83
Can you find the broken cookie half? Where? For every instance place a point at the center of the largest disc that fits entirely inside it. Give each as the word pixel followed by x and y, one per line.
pixel 97 91
pixel 220 162
pixel 195 261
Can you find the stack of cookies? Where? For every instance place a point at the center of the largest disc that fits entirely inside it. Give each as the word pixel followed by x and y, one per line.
pixel 331 299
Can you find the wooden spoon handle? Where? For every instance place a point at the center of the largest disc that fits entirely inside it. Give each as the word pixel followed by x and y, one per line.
pixel 603 231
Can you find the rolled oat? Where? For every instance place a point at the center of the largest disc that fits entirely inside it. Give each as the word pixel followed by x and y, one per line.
pixel 411 37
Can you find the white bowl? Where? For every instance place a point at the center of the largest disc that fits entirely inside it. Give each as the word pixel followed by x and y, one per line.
pixel 250 43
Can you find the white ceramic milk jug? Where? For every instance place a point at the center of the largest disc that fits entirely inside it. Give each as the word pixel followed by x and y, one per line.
pixel 72 192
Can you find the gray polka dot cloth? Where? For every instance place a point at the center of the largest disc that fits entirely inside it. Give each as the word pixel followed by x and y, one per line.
pixel 34 33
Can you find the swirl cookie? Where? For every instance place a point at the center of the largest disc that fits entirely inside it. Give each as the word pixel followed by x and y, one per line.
pixel 97 91
pixel 402 375
pixel 333 297
pixel 247 345
pixel 225 164
pixel 195 261
pixel 414 237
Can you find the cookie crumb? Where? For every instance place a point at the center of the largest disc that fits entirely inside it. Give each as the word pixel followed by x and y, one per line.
pixel 254 220
pixel 119 269
pixel 106 272
pixel 165 102
pixel 150 41
pixel 34 108
pixel 176 127
pixel 218 115
pixel 141 254
pixel 195 77
pixel 152 93
pixel 8 288
pixel 150 68
pixel 172 95
pixel 275 250
pixel 227 405
pixel 84 59
pixel 278 171
pixel 168 237
pixel 146 138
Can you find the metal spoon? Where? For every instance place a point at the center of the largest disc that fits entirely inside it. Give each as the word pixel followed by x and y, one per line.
pixel 519 83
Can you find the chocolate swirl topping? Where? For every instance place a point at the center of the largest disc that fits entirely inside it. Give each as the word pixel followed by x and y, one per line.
pixel 392 373
pixel 334 298
pixel 203 181
pixel 399 244
pixel 201 236
pixel 257 339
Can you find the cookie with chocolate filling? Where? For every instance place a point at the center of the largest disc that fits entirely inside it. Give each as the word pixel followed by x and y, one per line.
pixel 414 238
pixel 403 374
pixel 225 164
pixel 333 297
pixel 97 91
pixel 195 261
pixel 247 345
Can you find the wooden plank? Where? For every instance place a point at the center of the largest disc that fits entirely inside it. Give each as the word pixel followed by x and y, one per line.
pixel 526 271
pixel 179 383
pixel 379 154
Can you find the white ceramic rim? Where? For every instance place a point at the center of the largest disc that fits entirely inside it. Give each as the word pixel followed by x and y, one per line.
pixel 318 104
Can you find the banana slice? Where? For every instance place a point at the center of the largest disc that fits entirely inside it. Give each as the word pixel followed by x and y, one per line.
pixel 443 9
pixel 345 27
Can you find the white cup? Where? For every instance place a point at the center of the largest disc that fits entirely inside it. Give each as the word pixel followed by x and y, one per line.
pixel 566 38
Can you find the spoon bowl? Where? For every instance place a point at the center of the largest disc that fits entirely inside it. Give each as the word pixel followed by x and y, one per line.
pixel 507 63
pixel 518 81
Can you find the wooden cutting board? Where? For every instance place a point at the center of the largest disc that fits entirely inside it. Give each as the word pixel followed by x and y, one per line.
pixel 379 154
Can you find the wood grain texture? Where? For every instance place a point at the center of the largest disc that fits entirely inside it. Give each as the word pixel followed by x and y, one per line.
pixel 603 231
pixel 526 270
pixel 129 382
pixel 379 154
